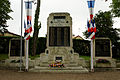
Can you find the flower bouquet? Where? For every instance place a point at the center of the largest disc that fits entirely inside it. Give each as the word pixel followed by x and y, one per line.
pixel 102 61
pixel 56 64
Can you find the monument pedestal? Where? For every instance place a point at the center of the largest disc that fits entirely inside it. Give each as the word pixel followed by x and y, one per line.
pixel 72 62
pixel 62 54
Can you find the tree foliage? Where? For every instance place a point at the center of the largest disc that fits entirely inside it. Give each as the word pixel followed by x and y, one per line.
pixel 104 23
pixel 37 26
pixel 116 7
pixel 4 16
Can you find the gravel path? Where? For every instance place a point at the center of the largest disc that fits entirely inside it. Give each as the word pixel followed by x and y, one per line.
pixel 14 75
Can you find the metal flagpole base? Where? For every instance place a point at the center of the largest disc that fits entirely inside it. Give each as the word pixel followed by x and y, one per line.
pixel 92 70
pixel 26 70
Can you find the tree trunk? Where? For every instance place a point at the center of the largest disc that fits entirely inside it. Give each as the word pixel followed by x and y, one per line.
pixel 36 28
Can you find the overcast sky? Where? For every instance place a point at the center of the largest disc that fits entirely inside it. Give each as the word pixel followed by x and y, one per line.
pixel 78 10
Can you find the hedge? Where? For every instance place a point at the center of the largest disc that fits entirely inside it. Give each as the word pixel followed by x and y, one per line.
pixel 80 46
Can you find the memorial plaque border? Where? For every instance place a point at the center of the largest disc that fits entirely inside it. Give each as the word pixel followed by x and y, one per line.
pixel 110 49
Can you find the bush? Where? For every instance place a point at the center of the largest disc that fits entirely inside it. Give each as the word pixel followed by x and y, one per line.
pixel 41 45
pixel 82 47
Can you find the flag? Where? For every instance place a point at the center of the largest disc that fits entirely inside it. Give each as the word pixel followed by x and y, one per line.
pixel 28 5
pixel 88 26
pixel 91 7
pixel 91 26
pixel 27 33
pixel 94 25
pixel 28 29
pixel 91 35
pixel 27 36
pixel 91 3
pixel 24 24
pixel 91 16
pixel 29 25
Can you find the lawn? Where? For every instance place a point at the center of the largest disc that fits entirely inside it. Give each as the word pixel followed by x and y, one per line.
pixel 85 57
pixel 3 56
pixel 33 57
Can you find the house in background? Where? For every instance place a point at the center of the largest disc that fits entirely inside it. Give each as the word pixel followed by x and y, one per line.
pixel 9 34
pixel 5 39
pixel 77 37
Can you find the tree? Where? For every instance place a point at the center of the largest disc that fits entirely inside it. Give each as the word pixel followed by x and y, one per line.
pixel 104 23
pixel 116 7
pixel 4 16
pixel 37 26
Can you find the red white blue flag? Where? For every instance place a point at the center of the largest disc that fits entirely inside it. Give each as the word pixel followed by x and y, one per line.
pixel 28 29
pixel 88 26
pixel 91 29
pixel 91 3
pixel 91 7
pixel 91 23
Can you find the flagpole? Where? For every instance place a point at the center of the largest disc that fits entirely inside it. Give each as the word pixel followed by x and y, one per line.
pixel 92 36
pixel 21 36
pixel 27 50
pixel 92 68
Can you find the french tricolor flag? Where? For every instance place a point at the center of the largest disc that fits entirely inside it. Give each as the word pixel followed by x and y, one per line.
pixel 91 26
pixel 28 29
pixel 91 3
pixel 88 26
pixel 94 26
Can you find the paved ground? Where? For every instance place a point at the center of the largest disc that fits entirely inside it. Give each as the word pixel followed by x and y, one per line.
pixel 15 75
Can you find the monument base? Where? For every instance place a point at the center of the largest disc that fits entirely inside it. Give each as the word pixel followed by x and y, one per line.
pixel 60 60
pixel 105 63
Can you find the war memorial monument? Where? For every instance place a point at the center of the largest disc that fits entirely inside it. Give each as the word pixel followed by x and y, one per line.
pixel 59 47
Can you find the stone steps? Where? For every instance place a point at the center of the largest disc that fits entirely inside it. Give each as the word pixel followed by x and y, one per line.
pixel 73 65
pixel 59 70
pixel 56 68
pixel 118 65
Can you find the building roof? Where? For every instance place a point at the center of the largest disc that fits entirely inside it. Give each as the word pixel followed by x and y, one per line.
pixel 78 37
pixel 9 34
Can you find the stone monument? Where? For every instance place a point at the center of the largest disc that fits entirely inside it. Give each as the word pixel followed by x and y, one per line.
pixel 14 54
pixel 59 45
pixel 14 47
pixel 103 53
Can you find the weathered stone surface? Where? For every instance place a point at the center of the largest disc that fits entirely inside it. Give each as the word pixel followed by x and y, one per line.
pixel 103 50
pixel 59 47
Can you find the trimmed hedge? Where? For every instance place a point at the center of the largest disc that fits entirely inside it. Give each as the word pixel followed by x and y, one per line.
pixel 41 45
pixel 80 46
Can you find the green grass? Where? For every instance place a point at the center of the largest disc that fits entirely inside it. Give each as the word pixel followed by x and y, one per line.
pixel 117 59
pixel 33 57
pixel 85 57
pixel 3 56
